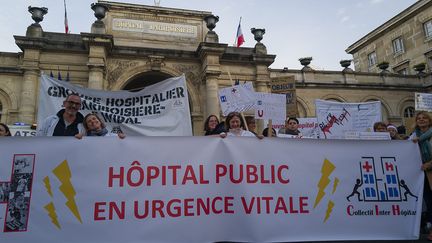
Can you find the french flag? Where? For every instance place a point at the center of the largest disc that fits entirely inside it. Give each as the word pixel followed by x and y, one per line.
pixel 240 38
pixel 66 24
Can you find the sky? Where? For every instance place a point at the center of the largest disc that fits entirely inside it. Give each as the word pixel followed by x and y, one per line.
pixel 322 29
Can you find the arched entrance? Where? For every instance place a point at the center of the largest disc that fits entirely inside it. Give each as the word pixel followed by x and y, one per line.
pixel 145 79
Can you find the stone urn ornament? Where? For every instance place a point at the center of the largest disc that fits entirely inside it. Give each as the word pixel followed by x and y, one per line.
pixel 211 21
pixel 345 63
pixel 258 34
pixel 99 10
pixel 37 13
pixel 419 67
pixel 383 66
pixel 305 61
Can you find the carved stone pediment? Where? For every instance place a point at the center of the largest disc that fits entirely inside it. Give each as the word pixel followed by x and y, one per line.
pixel 117 68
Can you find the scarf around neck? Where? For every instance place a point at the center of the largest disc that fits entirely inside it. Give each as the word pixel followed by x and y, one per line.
pixel 99 133
pixel 424 145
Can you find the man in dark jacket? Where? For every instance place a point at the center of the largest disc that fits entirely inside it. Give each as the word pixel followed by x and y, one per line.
pixel 67 122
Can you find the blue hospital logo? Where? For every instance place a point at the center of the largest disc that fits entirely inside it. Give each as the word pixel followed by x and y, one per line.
pixel 223 98
pixel 380 183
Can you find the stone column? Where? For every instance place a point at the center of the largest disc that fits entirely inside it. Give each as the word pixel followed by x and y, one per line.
pixel 210 54
pixel 197 124
pixel 96 76
pixel 212 101
pixel 262 79
pixel 31 44
pixel 99 45
pixel 29 88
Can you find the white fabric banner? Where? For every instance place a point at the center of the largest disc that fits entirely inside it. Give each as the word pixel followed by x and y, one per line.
pixel 336 118
pixel 308 127
pixel 423 102
pixel 238 98
pixel 368 135
pixel 111 190
pixel 22 131
pixel 161 109
pixel 270 106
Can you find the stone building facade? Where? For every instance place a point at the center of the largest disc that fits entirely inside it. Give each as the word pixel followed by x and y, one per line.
pixel 133 46
pixel 404 41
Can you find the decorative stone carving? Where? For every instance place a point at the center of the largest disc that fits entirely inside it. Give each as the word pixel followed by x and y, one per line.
pixel 190 72
pixel 117 68
pixel 156 62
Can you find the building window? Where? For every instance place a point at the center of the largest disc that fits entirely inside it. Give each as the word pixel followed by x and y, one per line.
pixel 409 112
pixel 398 46
pixel 427 26
pixel 372 59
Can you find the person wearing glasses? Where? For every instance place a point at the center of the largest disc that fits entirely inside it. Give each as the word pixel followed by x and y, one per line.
pixel 67 122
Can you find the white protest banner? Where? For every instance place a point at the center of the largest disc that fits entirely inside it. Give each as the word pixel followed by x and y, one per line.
pixel 276 124
pixel 161 109
pixel 336 118
pixel 111 190
pixel 270 106
pixel 368 135
pixel 22 131
pixel 308 127
pixel 237 98
pixel 423 102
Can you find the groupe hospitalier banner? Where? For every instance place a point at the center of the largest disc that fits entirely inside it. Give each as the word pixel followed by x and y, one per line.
pixel 105 189
pixel 161 109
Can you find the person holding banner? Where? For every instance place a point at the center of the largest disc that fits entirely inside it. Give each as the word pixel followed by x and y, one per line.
pixel 251 124
pixel 291 127
pixel 266 132
pixel 67 122
pixel 235 126
pixel 210 125
pixel 422 135
pixel 394 135
pixel 4 130
pixel 380 127
pixel 94 126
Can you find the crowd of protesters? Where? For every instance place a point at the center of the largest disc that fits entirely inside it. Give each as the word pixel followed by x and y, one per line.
pixel 70 122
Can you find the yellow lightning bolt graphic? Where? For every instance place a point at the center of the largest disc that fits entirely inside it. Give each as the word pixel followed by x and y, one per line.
pixel 48 185
pixel 326 169
pixel 52 214
pixel 64 174
pixel 335 184
pixel 330 206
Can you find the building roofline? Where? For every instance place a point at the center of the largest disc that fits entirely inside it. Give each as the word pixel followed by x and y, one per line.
pixel 388 25
pixel 185 12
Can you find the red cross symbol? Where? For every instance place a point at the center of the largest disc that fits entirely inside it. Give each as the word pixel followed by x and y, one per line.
pixel 389 167
pixel 367 167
